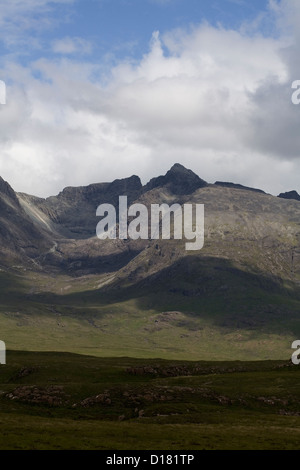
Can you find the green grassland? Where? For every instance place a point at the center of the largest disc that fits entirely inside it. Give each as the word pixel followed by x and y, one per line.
pixel 195 357
pixel 67 401
pixel 254 321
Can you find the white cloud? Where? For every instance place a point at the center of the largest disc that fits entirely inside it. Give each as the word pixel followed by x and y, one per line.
pixel 215 100
pixel 68 46
pixel 20 17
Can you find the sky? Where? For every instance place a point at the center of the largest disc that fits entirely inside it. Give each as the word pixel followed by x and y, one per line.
pixel 98 90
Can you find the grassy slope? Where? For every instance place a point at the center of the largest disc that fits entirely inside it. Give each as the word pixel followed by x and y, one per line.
pixel 59 313
pixel 219 406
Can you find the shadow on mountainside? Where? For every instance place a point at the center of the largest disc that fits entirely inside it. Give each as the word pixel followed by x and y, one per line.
pixel 206 287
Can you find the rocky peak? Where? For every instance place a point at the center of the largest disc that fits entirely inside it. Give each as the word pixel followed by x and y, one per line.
pixel 290 195
pixel 179 180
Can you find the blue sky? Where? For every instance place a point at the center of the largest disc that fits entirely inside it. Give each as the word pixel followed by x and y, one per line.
pixel 126 26
pixel 102 89
pixel 118 27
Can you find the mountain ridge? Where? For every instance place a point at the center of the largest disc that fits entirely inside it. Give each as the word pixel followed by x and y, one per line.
pixel 243 287
pixel 69 219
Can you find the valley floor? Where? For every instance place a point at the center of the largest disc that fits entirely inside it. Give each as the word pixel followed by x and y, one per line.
pixel 68 401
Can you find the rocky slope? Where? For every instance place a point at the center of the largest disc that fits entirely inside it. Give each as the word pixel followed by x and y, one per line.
pixel 253 230
pixel 21 240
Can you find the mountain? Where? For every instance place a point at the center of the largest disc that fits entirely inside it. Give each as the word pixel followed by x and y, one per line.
pixel 20 239
pixel 239 296
pixel 290 195
pixel 72 212
pixel 178 180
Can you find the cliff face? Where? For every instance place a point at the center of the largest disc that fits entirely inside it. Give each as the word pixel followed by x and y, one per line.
pixel 73 212
pixel 20 239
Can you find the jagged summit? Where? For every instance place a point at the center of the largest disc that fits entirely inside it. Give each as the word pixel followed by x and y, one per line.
pixel 290 195
pixel 178 168
pixel 179 180
pixel 72 213
pixel 73 210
